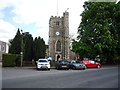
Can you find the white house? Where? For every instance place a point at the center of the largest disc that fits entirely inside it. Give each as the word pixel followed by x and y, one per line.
pixel 4 47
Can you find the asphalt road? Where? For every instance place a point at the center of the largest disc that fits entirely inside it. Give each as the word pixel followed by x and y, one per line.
pixel 106 77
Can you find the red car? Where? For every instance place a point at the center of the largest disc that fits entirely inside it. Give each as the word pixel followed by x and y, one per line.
pixel 90 63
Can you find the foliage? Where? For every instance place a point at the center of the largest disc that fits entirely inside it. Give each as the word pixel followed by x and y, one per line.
pixel 28 47
pixel 15 47
pixel 32 49
pixel 39 48
pixel 53 63
pixel 99 30
pixel 10 60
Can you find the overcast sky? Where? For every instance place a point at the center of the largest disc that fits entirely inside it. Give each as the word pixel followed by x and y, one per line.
pixel 33 16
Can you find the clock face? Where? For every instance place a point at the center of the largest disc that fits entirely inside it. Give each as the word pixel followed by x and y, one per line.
pixel 57 33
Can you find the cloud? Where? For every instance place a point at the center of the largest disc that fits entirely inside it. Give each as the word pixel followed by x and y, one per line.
pixel 6 30
pixel 1 15
pixel 32 11
pixel 38 12
pixel 43 34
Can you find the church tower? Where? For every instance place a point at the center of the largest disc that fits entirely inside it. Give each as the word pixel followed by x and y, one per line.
pixel 59 37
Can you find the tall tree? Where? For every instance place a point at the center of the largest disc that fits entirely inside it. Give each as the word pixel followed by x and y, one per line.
pixel 23 42
pixel 15 44
pixel 28 46
pixel 97 31
pixel 43 48
pixel 39 48
pixel 117 24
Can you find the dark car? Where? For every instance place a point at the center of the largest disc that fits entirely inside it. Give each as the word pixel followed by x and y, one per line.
pixel 91 63
pixel 62 64
pixel 76 65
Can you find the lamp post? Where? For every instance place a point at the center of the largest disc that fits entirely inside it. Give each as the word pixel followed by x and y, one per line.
pixel 21 49
pixel 21 58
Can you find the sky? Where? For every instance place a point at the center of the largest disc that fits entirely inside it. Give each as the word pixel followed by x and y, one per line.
pixel 33 16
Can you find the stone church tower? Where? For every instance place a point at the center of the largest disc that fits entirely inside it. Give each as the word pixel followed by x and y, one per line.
pixel 59 37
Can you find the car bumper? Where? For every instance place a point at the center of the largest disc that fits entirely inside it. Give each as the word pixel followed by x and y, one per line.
pixel 43 67
pixel 64 67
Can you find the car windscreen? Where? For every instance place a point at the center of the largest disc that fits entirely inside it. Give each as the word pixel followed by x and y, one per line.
pixel 63 61
pixel 42 61
pixel 75 61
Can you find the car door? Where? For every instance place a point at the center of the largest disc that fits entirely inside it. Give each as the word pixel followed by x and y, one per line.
pixel 92 63
pixel 71 64
pixel 88 63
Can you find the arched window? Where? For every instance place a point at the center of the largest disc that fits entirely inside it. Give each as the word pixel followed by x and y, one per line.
pixel 58 46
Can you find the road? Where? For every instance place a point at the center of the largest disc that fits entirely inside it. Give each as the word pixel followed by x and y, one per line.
pixel 106 77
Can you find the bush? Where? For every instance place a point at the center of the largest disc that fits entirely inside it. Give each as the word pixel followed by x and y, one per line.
pixel 52 63
pixel 10 60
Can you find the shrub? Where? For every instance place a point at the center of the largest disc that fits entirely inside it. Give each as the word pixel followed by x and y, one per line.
pixel 52 63
pixel 9 60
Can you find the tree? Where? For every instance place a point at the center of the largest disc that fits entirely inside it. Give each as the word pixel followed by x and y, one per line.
pixel 15 47
pixel 42 49
pixel 39 48
pixel 28 46
pixel 23 42
pixel 117 24
pixel 98 31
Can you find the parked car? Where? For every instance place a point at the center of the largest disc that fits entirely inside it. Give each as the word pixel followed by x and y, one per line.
pixel 62 64
pixel 91 63
pixel 76 65
pixel 43 64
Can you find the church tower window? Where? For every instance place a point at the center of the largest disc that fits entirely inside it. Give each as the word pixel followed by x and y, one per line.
pixel 57 23
pixel 58 46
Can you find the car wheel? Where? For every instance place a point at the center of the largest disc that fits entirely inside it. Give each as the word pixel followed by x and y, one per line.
pixel 74 68
pixel 37 68
pixel 48 68
pixel 85 66
pixel 98 66
pixel 57 68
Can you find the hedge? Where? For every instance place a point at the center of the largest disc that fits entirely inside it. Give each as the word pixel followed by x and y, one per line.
pixel 10 60
pixel 53 63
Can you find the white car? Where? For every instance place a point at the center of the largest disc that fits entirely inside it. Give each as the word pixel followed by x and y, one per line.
pixel 43 64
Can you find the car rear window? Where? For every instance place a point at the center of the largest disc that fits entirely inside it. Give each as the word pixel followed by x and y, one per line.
pixel 63 61
pixel 42 60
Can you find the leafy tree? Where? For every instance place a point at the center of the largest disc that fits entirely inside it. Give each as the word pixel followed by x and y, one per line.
pixel 98 31
pixel 15 44
pixel 117 25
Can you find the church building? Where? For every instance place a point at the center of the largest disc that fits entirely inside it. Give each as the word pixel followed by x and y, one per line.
pixel 59 40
